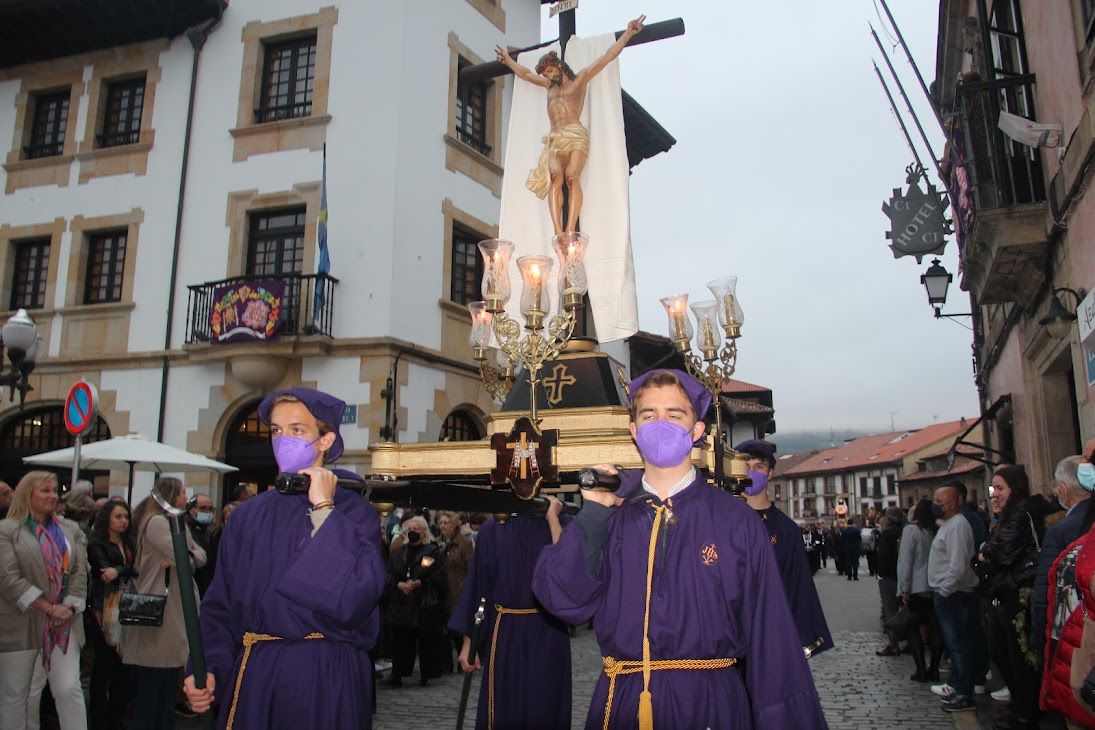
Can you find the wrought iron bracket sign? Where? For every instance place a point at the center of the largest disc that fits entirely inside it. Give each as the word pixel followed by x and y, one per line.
pixel 918 226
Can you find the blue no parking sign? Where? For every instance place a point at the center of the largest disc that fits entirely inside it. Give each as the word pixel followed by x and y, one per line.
pixel 81 407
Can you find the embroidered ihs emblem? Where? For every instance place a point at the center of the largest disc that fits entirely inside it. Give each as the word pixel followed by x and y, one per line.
pixel 774 539
pixel 709 554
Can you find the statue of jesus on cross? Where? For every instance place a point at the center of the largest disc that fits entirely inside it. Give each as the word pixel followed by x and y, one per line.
pixel 566 145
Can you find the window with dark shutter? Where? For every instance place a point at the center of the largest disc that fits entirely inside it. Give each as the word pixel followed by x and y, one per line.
pixel 122 120
pixel 288 79
pixel 105 267
pixel 47 137
pixel 28 286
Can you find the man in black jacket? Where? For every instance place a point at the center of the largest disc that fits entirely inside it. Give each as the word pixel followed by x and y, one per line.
pixel 1077 501
pixel 886 562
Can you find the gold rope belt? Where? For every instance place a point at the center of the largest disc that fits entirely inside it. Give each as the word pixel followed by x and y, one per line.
pixel 249 640
pixel 501 611
pixel 616 667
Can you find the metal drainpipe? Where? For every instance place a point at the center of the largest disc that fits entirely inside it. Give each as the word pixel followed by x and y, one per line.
pixel 197 38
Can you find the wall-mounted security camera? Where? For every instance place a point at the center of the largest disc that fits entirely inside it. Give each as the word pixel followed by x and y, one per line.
pixel 1024 131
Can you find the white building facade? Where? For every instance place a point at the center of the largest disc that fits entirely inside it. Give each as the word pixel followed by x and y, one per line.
pixel 117 253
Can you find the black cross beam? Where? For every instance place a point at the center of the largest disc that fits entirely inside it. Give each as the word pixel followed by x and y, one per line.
pixel 650 32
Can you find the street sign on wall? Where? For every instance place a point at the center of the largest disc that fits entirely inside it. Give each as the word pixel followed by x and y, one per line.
pixel 1085 320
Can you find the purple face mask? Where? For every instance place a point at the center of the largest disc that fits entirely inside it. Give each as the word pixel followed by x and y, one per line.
pixel 760 482
pixel 293 453
pixel 663 444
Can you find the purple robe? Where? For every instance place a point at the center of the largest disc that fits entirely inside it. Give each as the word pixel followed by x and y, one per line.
pixel 273 577
pixel 531 668
pixel 794 571
pixel 716 594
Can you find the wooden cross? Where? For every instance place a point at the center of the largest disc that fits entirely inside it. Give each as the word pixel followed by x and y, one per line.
pixel 567 28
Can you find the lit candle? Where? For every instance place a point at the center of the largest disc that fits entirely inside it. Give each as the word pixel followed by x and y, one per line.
pixel 534 272
pixel 570 271
pixel 678 321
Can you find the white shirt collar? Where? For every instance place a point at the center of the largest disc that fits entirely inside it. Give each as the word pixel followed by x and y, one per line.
pixel 680 484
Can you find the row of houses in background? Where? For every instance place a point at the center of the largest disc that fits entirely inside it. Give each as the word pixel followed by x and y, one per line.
pixel 884 470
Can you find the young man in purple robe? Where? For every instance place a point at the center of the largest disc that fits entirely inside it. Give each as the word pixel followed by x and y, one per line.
pixel 683 589
pixel 526 651
pixel 786 539
pixel 292 611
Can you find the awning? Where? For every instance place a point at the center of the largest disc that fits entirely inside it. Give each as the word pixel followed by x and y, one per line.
pixel 974 450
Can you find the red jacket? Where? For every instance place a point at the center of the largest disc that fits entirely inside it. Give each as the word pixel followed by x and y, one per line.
pixel 1067 660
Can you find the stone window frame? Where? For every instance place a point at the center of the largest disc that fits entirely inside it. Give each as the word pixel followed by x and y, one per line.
pixel 243 203
pixel 455 320
pixel 9 235
pixel 492 11
pixel 310 132
pixel 108 67
pixel 36 79
pixel 82 229
pixel 461 157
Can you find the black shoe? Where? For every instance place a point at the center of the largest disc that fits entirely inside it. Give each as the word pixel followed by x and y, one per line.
pixel 1015 723
pixel 958 703
pixel 394 681
pixel 888 651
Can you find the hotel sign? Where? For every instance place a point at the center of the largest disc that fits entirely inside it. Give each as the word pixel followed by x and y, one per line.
pixel 917 225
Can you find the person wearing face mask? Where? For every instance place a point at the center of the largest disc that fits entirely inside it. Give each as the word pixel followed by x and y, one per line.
pixel 199 518
pixel 292 611
pixel 790 552
pixel 951 578
pixel 416 594
pixel 1076 499
pixel 681 582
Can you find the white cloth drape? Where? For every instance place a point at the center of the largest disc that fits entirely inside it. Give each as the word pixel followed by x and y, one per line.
pixel 605 215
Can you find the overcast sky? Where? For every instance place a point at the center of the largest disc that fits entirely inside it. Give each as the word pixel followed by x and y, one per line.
pixel 786 149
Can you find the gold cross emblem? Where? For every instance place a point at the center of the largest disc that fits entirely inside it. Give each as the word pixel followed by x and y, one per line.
pixel 522 455
pixel 555 384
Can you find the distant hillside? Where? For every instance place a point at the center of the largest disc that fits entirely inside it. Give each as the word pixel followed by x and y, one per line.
pixel 792 442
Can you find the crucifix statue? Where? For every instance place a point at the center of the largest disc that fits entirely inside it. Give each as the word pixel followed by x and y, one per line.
pixel 566 145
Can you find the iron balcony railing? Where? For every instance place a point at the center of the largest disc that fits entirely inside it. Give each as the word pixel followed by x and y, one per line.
pixel 45 149
pixel 301 312
pixel 473 141
pixel 1000 172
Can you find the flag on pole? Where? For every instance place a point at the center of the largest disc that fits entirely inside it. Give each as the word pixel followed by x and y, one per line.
pixel 324 265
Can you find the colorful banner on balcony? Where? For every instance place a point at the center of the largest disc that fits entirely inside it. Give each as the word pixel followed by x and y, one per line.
pixel 246 311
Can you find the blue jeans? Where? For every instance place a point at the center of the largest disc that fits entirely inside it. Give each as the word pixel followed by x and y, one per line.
pixel 956 614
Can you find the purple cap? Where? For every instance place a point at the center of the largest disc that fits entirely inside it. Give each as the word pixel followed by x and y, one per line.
pixel 323 406
pixel 758 449
pixel 697 392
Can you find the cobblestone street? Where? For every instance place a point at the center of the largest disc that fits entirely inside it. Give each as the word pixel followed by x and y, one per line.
pixel 858 689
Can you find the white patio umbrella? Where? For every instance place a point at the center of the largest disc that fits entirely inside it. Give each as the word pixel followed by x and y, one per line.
pixel 132 451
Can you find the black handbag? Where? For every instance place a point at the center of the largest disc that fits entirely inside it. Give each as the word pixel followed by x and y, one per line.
pixel 143 609
pixel 901 622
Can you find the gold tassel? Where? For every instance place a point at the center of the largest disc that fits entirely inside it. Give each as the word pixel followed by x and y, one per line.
pixel 646 711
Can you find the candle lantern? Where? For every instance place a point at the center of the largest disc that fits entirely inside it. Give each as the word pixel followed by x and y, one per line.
pixel 535 303
pixel 680 326
pixel 708 337
pixel 729 308
pixel 570 248
pixel 496 287
pixel 481 324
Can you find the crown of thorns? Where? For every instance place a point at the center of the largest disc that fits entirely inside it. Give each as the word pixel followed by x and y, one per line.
pixel 551 58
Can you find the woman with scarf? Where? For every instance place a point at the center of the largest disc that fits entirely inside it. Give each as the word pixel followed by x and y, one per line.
pixel 111 552
pixel 43 588
pixel 457 549
pixel 1006 565
pixel 416 594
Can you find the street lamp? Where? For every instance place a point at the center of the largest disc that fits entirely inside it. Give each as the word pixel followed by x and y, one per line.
pixel 936 280
pixel 21 338
pixel 1058 320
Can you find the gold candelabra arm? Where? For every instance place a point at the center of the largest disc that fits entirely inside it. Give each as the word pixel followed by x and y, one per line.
pixel 497 381
pixel 534 349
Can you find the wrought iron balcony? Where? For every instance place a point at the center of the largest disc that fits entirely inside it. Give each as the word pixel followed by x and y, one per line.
pixel 1000 188
pixel 300 310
